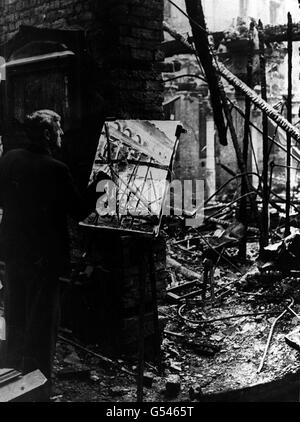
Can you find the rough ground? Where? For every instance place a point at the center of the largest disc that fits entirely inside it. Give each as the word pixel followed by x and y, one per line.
pixel 238 343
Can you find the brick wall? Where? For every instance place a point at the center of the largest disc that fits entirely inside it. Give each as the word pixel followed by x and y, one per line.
pixel 123 36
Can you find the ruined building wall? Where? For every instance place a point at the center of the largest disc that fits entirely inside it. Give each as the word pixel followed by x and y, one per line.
pixel 201 132
pixel 123 36
pixel 269 11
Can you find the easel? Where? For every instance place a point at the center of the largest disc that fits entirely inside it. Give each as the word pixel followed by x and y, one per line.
pixel 114 137
pixel 146 267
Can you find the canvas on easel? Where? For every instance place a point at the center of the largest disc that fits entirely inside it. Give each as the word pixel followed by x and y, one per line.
pixel 137 156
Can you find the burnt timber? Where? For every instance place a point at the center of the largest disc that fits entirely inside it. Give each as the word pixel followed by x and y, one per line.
pixel 250 93
pixel 271 33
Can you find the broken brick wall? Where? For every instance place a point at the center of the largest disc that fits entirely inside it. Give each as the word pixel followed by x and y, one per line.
pixel 123 36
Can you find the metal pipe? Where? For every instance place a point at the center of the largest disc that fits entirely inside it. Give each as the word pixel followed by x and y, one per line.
pixel 271 335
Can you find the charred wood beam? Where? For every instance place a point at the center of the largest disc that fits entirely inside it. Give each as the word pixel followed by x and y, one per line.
pixel 189 274
pixel 241 112
pixel 259 102
pixel 289 117
pixel 203 51
pixel 278 33
pixel 264 239
pixel 224 104
pixel 271 33
pixel 244 202
pixel 179 38
pixel 240 159
pixel 174 47
pixel 244 88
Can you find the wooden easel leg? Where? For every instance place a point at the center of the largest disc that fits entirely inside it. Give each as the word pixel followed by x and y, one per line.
pixel 141 338
pixel 155 310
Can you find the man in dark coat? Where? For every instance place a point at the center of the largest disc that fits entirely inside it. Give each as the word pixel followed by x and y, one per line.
pixel 37 194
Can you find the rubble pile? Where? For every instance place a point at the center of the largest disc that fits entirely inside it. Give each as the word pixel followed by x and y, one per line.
pixel 229 332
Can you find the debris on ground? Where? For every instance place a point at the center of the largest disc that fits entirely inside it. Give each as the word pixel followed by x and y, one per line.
pixel 210 346
pixel 293 339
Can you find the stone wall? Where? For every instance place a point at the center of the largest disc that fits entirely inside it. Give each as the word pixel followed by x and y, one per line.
pixel 122 35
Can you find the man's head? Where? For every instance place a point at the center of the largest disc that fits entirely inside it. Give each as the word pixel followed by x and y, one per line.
pixel 44 130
